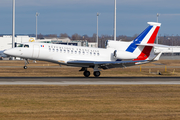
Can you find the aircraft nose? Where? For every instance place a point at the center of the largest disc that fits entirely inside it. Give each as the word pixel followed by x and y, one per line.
pixel 9 52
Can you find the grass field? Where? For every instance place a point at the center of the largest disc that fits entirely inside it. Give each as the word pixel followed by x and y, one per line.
pixel 139 102
pixel 168 68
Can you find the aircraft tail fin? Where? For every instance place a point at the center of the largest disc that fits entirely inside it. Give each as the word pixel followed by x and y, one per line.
pixel 148 36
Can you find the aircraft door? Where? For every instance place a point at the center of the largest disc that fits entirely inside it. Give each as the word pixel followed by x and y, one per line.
pixel 36 49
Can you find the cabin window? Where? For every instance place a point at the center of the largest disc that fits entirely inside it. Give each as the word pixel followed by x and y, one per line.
pixel 79 52
pixel 60 50
pixel 57 50
pixel 68 51
pixel 64 51
pixel 53 49
pixel 71 51
pixel 94 53
pixel 90 53
pixel 75 52
pixel 50 49
pixel 98 54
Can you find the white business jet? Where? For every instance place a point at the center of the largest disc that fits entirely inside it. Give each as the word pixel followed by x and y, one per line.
pixel 116 54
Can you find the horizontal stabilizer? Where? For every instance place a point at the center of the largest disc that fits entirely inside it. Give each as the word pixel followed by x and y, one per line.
pixel 157 57
pixel 154 45
pixel 154 23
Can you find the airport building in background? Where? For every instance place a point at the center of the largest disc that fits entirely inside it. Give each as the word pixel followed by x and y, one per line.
pixel 64 41
pixel 6 41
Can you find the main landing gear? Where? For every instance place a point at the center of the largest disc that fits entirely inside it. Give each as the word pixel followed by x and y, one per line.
pixel 87 73
pixel 97 73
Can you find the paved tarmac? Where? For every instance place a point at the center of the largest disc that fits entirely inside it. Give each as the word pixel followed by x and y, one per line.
pixel 89 81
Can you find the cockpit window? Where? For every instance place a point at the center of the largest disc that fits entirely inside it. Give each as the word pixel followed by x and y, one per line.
pixel 26 46
pixel 20 45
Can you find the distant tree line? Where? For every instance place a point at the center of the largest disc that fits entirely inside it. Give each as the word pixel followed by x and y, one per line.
pixel 165 40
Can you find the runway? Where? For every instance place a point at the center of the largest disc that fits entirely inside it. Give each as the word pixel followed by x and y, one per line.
pixel 89 81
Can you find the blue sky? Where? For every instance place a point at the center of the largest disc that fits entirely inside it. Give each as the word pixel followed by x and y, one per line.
pixel 79 16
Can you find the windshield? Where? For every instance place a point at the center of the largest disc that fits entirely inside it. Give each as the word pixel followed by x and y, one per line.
pixel 20 45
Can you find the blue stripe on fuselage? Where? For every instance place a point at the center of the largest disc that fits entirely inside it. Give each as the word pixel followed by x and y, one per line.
pixel 138 40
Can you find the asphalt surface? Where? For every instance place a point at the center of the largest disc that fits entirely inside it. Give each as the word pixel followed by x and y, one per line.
pixel 88 81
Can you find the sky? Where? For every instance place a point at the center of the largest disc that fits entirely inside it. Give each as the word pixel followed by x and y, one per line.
pixel 79 16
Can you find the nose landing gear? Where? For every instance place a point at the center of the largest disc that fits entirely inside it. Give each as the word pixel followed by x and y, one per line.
pixel 26 62
pixel 25 67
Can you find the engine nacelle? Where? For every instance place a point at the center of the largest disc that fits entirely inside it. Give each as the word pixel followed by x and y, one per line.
pixel 124 55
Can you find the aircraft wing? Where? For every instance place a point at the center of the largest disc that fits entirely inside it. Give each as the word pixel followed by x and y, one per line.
pixel 105 64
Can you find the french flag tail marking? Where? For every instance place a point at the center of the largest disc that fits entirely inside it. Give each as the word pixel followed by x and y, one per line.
pixel 146 37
